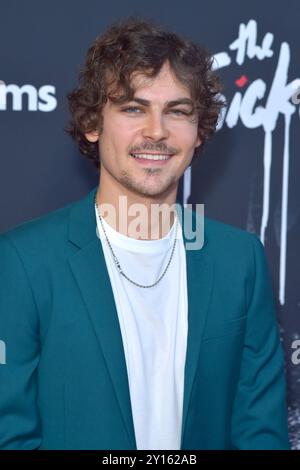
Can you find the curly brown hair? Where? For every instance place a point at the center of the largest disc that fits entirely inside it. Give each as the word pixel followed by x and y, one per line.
pixel 135 45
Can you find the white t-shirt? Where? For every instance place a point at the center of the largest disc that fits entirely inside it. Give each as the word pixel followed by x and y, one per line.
pixel 154 327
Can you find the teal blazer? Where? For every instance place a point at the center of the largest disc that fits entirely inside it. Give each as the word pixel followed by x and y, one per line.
pixel 63 377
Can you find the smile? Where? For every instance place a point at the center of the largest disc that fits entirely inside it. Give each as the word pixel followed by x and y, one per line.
pixel 147 156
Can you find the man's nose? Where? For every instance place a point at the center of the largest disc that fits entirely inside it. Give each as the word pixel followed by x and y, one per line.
pixel 155 127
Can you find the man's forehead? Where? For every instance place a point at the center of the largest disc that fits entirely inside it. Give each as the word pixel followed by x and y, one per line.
pixel 140 82
pixel 141 93
pixel 140 79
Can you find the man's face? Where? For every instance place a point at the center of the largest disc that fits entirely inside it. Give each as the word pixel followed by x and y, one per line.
pixel 153 126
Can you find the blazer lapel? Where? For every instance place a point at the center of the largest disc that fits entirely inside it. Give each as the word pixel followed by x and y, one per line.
pixel 199 287
pixel 89 269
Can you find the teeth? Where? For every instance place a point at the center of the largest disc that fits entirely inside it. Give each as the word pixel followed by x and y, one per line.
pixel 150 157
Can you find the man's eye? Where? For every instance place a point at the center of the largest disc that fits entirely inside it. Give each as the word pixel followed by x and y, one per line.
pixel 179 112
pixel 130 109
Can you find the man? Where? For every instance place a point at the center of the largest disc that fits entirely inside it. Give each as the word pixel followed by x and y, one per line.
pixel 118 336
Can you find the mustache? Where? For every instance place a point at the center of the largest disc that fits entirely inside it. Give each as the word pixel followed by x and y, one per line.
pixel 153 148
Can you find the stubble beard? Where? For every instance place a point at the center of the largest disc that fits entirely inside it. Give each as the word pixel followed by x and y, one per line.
pixel 143 188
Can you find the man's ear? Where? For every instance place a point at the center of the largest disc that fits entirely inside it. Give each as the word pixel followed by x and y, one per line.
pixel 92 136
pixel 198 142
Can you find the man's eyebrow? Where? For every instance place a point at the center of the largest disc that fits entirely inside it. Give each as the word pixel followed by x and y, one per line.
pixel 169 104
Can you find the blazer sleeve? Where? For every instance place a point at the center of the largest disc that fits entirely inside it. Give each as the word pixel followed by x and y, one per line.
pixel 259 419
pixel 19 418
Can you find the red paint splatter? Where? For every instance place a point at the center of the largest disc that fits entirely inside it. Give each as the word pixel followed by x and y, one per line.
pixel 241 82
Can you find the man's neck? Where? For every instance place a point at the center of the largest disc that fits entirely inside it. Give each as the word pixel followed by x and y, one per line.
pixel 137 216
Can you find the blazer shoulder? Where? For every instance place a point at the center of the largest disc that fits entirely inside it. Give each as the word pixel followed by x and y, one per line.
pixel 220 231
pixel 228 242
pixel 46 227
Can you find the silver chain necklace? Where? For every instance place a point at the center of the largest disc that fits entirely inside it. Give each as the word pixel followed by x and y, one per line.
pixel 117 263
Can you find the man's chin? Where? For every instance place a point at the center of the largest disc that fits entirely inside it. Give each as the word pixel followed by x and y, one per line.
pixel 147 190
pixel 153 192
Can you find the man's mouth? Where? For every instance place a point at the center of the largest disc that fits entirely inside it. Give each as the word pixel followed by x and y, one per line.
pixel 161 157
